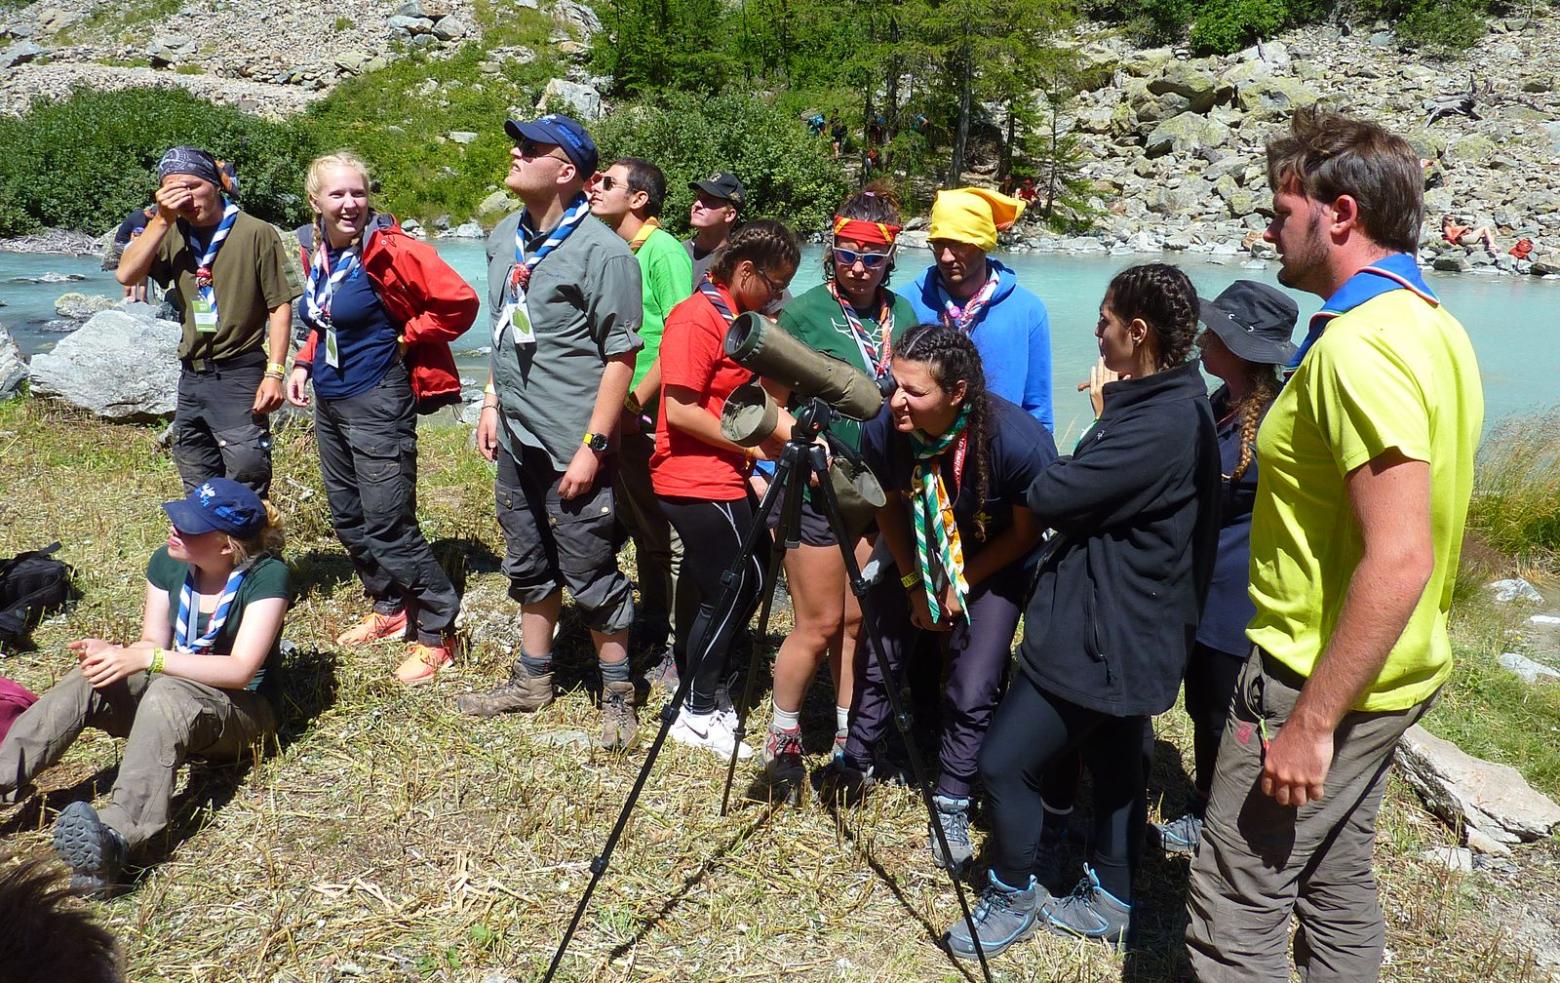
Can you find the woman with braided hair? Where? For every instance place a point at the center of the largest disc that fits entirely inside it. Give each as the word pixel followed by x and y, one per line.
pixel 1112 617
pixel 1245 342
pixel 854 317
pixel 955 461
pixel 700 477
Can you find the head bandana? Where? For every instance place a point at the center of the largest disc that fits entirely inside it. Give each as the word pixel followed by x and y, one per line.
pixel 192 161
pixel 972 215
pixel 875 233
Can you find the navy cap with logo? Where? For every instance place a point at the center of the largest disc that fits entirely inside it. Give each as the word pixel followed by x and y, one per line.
pixel 1254 321
pixel 723 185
pixel 218 505
pixel 561 131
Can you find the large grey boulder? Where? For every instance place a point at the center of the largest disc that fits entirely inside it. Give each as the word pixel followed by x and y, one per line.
pixel 1492 803
pixel 1190 82
pixel 79 306
pixel 1274 96
pixel 119 366
pixel 581 101
pixel 13 367
pixel 19 53
pixel 1186 134
pixel 577 15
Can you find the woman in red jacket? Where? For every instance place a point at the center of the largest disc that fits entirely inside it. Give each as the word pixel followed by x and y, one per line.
pixel 382 309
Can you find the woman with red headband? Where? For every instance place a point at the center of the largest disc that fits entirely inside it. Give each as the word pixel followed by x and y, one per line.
pixel 854 317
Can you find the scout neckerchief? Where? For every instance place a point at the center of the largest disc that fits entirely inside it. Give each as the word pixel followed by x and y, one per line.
pixel 189 613
pixel 520 274
pixel 966 317
pixel 205 292
pixel 645 231
pixel 934 508
pixel 717 299
pixel 875 352
pixel 323 278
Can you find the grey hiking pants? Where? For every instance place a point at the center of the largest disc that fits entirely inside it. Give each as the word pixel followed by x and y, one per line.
pixel 165 720
pixel 1260 862
pixel 214 433
pixel 368 460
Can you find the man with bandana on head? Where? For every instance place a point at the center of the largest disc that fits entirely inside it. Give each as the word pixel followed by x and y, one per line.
pixel 227 272
pixel 967 289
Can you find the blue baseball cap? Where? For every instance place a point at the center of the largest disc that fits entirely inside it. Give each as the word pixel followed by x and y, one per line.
pixel 562 131
pixel 218 505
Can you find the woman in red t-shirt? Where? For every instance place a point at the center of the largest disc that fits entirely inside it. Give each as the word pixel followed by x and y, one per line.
pixel 700 477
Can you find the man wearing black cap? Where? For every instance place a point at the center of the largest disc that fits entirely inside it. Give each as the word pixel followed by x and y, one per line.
pixel 228 273
pixel 564 296
pixel 716 203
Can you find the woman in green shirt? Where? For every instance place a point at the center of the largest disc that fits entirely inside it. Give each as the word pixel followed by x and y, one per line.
pixel 854 317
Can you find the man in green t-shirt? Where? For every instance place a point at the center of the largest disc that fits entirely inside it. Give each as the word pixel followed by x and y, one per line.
pixel 227 271
pixel 1367 466
pixel 628 197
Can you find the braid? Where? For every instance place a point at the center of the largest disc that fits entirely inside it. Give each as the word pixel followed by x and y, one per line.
pixel 1264 389
pixel 1165 299
pixel 952 358
pixel 765 243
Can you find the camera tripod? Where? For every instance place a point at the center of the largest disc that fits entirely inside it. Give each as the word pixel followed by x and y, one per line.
pixel 801 459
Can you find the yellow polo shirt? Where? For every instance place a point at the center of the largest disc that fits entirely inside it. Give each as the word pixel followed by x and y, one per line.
pixel 1393 371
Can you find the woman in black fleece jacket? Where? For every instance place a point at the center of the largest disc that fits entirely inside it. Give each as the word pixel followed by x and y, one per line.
pixel 1113 615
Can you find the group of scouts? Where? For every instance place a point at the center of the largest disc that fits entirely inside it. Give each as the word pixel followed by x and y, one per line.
pixel 1304 613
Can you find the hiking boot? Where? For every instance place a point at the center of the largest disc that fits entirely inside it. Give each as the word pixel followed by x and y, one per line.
pixel 841 783
pixel 782 756
pixel 712 731
pixel 521 691
pixel 664 673
pixel 94 852
pixel 1181 834
pixel 953 815
pixel 375 627
pixel 423 662
pixel 1090 912
pixel 1003 915
pixel 619 723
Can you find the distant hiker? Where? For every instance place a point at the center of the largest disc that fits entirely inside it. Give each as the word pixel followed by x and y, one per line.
pixel 130 229
pixel 717 206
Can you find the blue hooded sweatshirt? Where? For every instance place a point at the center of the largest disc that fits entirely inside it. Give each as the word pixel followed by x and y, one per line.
pixel 1013 336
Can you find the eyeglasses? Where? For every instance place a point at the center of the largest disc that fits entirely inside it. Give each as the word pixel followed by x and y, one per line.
pixel 531 150
pixel 871 261
pixel 775 289
pixel 606 182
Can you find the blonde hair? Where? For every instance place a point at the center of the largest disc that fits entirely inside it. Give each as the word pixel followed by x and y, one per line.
pixel 314 181
pixel 269 540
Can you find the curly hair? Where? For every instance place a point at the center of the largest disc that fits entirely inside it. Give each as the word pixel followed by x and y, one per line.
pixel 1165 299
pixel 877 202
pixel 952 358
pixel 765 243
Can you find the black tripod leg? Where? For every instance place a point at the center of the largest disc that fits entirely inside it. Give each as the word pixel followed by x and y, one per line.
pixel 903 719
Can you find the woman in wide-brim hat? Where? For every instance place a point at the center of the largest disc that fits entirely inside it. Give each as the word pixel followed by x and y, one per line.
pixel 1245 343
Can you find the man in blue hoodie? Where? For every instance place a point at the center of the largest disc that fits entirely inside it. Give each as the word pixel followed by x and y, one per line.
pixel 967 289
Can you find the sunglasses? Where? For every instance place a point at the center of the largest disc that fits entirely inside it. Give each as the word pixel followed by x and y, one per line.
pixel 871 261
pixel 531 150
pixel 607 182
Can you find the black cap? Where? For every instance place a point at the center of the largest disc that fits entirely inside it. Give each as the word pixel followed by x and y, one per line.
pixel 723 185
pixel 1254 321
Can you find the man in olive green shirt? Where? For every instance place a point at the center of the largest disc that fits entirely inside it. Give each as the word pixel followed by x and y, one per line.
pixel 227 272
pixel 628 197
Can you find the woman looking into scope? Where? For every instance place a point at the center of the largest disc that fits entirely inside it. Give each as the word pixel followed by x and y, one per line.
pixel 700 477
pixel 955 461
pixel 854 317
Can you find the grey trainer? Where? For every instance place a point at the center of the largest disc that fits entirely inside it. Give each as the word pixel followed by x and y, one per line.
pixel 521 691
pixel 953 815
pixel 1003 915
pixel 619 723
pixel 1181 834
pixel 1091 912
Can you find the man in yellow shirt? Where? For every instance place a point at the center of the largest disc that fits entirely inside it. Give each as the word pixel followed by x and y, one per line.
pixel 1367 466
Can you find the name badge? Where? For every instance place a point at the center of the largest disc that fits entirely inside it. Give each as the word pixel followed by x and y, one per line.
pixel 520 323
pixel 205 316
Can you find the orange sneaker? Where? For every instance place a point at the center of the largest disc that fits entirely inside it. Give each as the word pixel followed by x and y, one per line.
pixel 375 627
pixel 423 662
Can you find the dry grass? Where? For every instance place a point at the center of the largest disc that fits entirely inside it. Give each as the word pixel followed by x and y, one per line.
pixel 390 839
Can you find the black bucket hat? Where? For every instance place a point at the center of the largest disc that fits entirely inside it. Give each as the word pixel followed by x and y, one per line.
pixel 1254 320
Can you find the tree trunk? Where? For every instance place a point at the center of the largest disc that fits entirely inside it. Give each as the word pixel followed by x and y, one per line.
pixel 1055 164
pixel 962 134
pixel 1005 165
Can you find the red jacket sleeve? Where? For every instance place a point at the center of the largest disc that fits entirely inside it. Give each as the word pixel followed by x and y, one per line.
pixel 305 356
pixel 437 305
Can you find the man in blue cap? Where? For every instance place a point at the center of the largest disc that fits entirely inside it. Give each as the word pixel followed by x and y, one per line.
pixel 565 299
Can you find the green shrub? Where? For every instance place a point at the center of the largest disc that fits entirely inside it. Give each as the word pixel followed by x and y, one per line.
pixel 1225 26
pixel 1446 24
pixel 785 170
pixel 84 161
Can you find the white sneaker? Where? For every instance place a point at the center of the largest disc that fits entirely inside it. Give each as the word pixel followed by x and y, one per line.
pixel 711 731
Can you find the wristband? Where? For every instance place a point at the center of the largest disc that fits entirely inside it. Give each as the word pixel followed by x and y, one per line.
pixel 632 404
pixel 276 367
pixel 488 390
pixel 157 661
pixel 910 579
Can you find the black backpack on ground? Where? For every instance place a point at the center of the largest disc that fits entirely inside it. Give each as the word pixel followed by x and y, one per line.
pixel 31 585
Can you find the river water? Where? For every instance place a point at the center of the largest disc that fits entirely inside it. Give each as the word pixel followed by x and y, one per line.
pixel 1514 322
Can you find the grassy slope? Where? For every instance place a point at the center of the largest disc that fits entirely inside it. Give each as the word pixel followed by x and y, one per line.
pixel 392 839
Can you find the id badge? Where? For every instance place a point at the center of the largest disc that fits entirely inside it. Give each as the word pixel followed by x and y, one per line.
pixel 520 322
pixel 205 317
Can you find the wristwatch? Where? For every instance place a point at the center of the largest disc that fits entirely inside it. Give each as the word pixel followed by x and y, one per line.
pixel 595 441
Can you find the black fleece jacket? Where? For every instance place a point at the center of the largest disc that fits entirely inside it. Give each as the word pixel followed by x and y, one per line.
pixel 1136 510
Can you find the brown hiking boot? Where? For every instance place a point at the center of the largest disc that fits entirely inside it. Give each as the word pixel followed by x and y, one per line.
pixel 619 723
pixel 521 691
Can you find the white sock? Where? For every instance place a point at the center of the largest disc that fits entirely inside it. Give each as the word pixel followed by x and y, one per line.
pixel 841 720
pixel 785 719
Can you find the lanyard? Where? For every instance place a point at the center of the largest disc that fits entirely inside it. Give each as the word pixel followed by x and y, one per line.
pixel 189 613
pixel 877 353
pixel 322 290
pixel 964 318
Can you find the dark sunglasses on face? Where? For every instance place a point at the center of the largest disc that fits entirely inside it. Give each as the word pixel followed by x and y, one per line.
pixel 606 182
pixel 531 150
pixel 871 261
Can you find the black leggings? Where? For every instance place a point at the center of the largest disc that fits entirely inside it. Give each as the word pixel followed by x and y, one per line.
pixel 1032 732
pixel 712 534
pixel 1210 684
